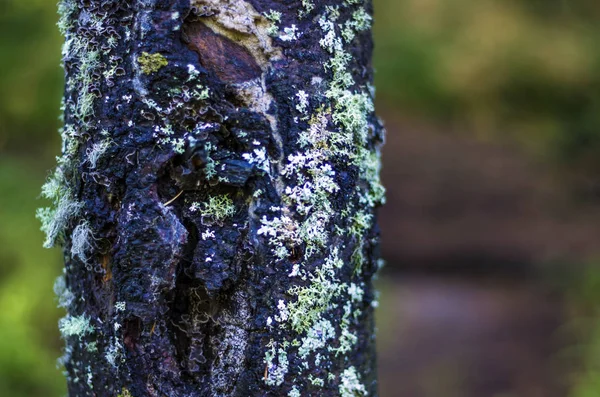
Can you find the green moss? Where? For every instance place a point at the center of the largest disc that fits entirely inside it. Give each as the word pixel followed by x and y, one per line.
pixel 152 63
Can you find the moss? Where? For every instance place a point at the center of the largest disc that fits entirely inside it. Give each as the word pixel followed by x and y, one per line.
pixel 152 63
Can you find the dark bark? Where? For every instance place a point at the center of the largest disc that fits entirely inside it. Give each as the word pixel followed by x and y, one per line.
pixel 216 198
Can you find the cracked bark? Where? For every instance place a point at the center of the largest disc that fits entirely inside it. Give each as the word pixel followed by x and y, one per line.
pixel 181 300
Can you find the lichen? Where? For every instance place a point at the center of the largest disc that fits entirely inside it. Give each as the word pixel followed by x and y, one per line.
pixel 294 392
pixel 65 208
pixel 64 296
pixel 316 298
pixel 81 241
pixel 96 151
pixel 339 129
pixel 350 385
pixel 152 63
pixel 217 207
pixel 125 393
pixel 78 326
pixel 276 371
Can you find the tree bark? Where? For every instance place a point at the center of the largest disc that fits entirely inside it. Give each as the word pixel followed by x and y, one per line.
pixel 216 198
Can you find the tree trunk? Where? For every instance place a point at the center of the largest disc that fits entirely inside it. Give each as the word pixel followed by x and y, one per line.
pixel 216 198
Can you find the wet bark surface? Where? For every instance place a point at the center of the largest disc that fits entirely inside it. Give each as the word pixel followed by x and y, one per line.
pixel 216 198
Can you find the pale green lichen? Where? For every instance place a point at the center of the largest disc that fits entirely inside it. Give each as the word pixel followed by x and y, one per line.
pixel 316 381
pixel 339 130
pixel 165 133
pixel 151 63
pixel 55 219
pixel 64 296
pixel 294 392
pixel 347 339
pixel 275 18
pixel 259 157
pixel 125 393
pixel 361 21
pixel 302 105
pixel 66 9
pixel 308 6
pixel 217 207
pixel 317 337
pixel 78 326
pixel 313 300
pixel 83 85
pixel 289 33
pixel 96 151
pixel 114 353
pixel 92 347
pixel 276 371
pixel 89 64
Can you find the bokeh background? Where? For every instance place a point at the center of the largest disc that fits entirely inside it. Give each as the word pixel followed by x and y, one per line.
pixel 492 228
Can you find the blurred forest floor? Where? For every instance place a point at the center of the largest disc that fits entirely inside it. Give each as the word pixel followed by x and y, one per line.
pixel 484 250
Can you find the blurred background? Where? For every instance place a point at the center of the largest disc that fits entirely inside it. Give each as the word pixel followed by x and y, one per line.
pixel 492 228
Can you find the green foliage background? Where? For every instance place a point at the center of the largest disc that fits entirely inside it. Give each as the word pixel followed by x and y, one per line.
pixel 525 71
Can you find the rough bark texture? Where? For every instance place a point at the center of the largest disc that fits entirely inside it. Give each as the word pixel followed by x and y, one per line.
pixel 216 198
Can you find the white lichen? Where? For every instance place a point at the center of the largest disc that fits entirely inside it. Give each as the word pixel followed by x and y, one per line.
pixel 303 102
pixel 350 385
pixel 81 241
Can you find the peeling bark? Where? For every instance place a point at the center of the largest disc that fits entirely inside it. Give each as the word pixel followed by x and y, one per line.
pixel 216 198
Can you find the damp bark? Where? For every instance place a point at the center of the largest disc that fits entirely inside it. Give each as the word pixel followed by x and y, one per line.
pixel 216 198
